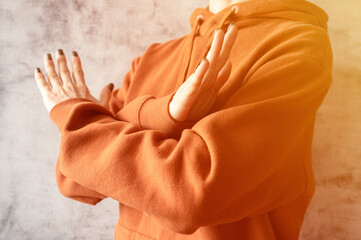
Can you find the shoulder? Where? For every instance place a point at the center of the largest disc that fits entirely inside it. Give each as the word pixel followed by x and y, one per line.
pixel 286 39
pixel 158 49
pixel 170 45
pixel 301 39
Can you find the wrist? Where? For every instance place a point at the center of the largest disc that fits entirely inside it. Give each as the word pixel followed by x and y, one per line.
pixel 155 114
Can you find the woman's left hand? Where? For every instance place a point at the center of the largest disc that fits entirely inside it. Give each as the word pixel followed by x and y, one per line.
pixel 61 87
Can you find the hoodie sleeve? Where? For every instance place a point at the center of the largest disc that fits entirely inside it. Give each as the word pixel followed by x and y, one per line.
pixel 243 160
pixel 117 98
pixel 140 112
pixel 66 185
pixel 75 191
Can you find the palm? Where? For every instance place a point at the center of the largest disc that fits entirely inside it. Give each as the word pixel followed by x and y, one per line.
pixel 202 105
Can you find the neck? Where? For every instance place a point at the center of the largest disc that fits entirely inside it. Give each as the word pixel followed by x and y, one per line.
pixel 217 5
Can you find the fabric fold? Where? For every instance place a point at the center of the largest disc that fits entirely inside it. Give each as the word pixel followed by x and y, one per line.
pixel 191 177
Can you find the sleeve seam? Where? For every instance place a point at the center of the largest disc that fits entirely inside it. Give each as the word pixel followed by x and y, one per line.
pixel 139 108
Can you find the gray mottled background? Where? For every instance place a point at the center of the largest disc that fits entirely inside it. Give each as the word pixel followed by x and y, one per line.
pixel 108 35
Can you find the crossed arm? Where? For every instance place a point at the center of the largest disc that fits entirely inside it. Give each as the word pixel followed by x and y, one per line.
pixel 203 85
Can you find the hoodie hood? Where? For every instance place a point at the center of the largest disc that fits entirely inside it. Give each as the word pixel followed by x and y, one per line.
pixel 203 22
pixel 294 10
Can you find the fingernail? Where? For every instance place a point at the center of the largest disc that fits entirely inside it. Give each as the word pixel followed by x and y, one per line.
pixel 111 86
pixel 75 54
pixel 229 27
pixel 60 52
pixel 38 70
pixel 48 55
pixel 217 30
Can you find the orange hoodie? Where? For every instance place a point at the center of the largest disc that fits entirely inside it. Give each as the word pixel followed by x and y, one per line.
pixel 242 172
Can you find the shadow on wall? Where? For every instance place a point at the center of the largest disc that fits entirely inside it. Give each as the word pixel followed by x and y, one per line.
pixel 335 210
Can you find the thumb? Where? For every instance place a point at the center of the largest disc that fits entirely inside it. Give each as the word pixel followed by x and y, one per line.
pixel 105 94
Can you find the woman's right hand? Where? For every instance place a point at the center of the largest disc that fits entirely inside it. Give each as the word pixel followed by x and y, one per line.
pixel 198 93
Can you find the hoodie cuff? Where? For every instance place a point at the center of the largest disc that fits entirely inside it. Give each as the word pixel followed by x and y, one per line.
pixel 59 113
pixel 154 114
pixel 129 112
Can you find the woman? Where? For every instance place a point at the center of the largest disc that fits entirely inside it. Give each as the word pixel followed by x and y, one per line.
pixel 192 149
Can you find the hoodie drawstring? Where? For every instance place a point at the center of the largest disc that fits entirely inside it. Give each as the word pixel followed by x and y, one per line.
pixel 185 63
pixel 221 23
pixel 194 31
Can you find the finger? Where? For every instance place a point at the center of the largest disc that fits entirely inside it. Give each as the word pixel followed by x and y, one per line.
pixel 192 89
pixel 181 88
pixel 64 72
pixel 223 76
pixel 77 70
pixel 212 57
pixel 216 47
pixel 228 43
pixel 200 72
pixel 105 94
pixel 196 78
pixel 201 69
pixel 51 74
pixel 41 82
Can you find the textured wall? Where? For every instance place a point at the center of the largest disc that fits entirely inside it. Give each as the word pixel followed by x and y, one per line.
pixel 335 210
pixel 107 36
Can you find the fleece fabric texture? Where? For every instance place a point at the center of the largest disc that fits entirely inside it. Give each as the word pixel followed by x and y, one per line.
pixel 242 172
